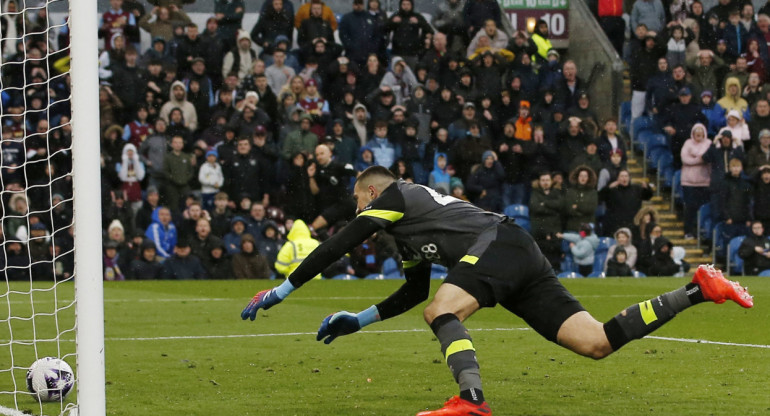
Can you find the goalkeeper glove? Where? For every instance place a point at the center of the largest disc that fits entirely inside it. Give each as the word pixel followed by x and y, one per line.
pixel 267 299
pixel 344 323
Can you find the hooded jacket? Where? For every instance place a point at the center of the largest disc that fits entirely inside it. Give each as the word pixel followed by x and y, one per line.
pixel 164 237
pixel 408 38
pixel 581 201
pixel 662 264
pixel 439 178
pixel 736 102
pixel 401 85
pixel 250 265
pixel 232 240
pixel 631 252
pixel 141 269
pixel 131 172
pixel 695 171
pixel 299 245
pixel 188 109
pixel 584 249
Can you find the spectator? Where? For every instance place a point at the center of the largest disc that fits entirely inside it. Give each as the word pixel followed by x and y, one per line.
pixel 497 38
pixel 143 217
pixel 329 181
pixel 611 170
pixel 476 12
pixel 617 265
pixel 695 176
pixel 515 156
pixel 545 208
pixel 540 39
pixel 298 246
pixel 610 14
pixel 213 51
pixel 270 243
pixel 705 68
pixel 178 99
pixel 623 200
pixel 278 74
pixel 718 156
pixel 220 215
pixel 241 57
pixel 274 20
pixel 202 242
pixel 385 152
pixel 246 175
pixel 221 264
pixel 486 183
pixel 211 178
pixel 248 263
pixel 178 169
pixel 738 129
pixel 232 240
pixel 146 267
pixel 183 265
pixel 302 140
pixel 229 14
pixel 571 143
pixel 568 90
pixel 344 147
pixel 755 250
pixel 623 240
pixel 760 120
pixel 737 205
pixel 662 263
pixel 115 21
pixel 162 232
pixel 735 34
pixel 112 270
pixel 439 177
pixel 409 30
pixel 131 173
pixel 588 157
pixel 304 12
pixel 714 112
pixel 581 199
pixel 650 13
pixel 160 22
pixel 644 62
pixel 732 99
pixel 759 155
pixel 610 142
pixel 583 246
pixel 399 79
pixel 315 26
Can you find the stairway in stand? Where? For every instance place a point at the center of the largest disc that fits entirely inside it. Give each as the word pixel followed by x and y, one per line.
pixel 672 224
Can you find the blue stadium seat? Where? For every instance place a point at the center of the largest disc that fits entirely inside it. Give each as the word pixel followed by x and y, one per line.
pixel 658 140
pixel 600 254
pixel 625 117
pixel 569 275
pixel 597 274
pixel 438 271
pixel 734 261
pixel 374 276
pixel 639 274
pixel 568 262
pixel 390 269
pixel 676 187
pixel 517 211
pixel 524 223
pixel 641 124
pixel 764 273
pixel 643 138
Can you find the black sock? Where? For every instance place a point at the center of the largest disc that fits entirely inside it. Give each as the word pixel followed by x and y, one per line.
pixel 641 319
pixel 475 396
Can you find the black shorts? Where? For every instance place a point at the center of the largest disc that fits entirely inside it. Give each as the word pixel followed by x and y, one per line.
pixel 512 271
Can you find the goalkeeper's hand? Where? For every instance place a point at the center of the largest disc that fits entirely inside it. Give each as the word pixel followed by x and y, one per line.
pixel 266 299
pixel 344 323
pixel 335 325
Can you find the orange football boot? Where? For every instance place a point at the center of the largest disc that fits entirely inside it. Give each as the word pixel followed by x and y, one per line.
pixel 459 407
pixel 718 289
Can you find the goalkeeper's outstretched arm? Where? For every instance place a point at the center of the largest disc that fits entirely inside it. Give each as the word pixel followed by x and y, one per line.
pixel 410 294
pixel 330 251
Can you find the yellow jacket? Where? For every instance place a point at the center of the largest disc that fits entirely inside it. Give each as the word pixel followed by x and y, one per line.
pixel 299 245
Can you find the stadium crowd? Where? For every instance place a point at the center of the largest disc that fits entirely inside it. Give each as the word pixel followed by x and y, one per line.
pixel 230 152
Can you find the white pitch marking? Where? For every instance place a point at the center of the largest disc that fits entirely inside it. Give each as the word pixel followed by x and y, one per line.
pixel 703 341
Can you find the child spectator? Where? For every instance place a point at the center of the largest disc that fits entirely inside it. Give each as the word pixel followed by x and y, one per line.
pixel 617 265
pixel 583 246
pixel 623 242
pixel 232 239
pixel 211 178
pixel 439 178
pixel 110 262
pixel 676 44
pixel 131 173
pixel 737 127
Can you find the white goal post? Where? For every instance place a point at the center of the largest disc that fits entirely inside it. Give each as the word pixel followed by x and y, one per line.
pixel 39 316
pixel 89 293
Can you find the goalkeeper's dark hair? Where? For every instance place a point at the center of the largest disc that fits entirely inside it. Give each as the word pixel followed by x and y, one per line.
pixel 379 176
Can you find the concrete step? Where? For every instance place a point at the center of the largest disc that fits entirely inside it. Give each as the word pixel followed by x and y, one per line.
pixel 675 233
pixel 658 206
pixel 667 216
pixel 696 261
pixel 632 162
pixel 681 241
pixel 635 171
pixel 657 198
pixel 671 224
pixel 695 252
pixel 640 180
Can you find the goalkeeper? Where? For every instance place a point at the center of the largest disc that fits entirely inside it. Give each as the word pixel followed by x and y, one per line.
pixel 491 261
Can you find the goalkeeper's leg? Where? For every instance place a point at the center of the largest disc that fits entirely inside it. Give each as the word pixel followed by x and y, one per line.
pixel 585 335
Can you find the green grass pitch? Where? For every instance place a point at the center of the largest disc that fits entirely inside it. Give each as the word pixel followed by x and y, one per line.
pixel 180 348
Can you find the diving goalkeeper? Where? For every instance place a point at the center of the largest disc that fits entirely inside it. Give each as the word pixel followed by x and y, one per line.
pixel 491 261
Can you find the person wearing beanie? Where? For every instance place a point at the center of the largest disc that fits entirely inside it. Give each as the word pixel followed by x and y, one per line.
pixel 485 184
pixel 183 265
pixel 212 179
pixel 146 266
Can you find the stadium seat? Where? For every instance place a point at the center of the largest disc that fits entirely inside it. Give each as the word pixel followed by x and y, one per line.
pixel 665 168
pixel 517 211
pixel 600 255
pixel 764 273
pixel 374 276
pixel 705 222
pixel 641 124
pixel 676 189
pixel 438 271
pixel 569 275
pixel 524 223
pixel 344 277
pixel 390 269
pixel 625 117
pixel 568 262
pixel 734 261
pixel 638 274
pixel 643 138
pixel 597 274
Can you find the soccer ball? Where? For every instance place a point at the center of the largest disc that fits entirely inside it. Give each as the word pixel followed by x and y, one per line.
pixel 50 379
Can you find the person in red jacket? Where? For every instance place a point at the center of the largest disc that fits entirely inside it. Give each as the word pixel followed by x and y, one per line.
pixel 610 14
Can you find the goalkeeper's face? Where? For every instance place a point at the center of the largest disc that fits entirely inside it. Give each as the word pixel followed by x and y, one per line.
pixel 364 196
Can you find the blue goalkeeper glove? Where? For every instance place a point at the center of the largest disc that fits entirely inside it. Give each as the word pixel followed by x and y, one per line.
pixel 345 323
pixel 266 299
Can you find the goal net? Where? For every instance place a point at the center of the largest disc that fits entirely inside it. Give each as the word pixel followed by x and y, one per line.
pixel 51 297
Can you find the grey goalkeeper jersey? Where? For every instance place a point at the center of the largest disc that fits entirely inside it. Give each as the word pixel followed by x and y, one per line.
pixel 429 226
